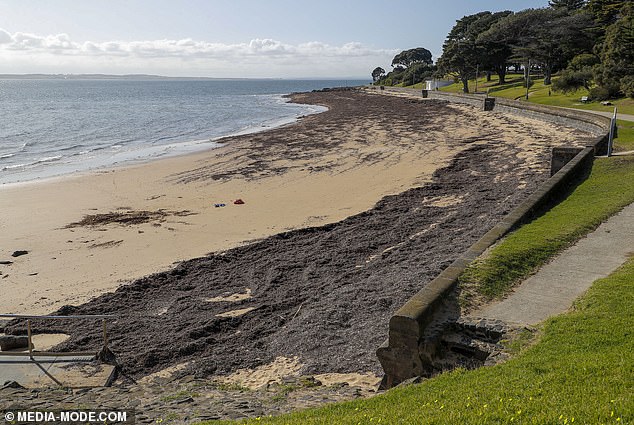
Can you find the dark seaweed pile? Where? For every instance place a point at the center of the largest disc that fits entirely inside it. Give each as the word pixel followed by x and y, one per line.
pixel 324 294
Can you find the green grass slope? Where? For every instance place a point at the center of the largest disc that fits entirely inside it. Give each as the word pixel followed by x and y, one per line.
pixel 539 93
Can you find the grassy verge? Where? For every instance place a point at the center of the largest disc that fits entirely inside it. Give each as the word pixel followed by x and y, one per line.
pixel 539 93
pixel 608 189
pixel 579 372
pixel 625 136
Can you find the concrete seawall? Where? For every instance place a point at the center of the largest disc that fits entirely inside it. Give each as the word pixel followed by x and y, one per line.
pixel 415 330
pixel 585 121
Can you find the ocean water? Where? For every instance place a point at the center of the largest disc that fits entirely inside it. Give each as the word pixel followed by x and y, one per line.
pixel 56 127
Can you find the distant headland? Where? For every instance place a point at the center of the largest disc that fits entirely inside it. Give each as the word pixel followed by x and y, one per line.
pixel 102 77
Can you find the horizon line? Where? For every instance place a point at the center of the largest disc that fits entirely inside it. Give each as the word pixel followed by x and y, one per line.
pixel 36 75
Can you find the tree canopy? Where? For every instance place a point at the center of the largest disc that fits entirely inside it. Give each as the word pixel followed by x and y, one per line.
pixel 377 74
pixel 590 43
pixel 545 37
pixel 409 57
pixel 463 51
pixel 567 4
pixel 616 70
pixel 409 67
pixel 606 12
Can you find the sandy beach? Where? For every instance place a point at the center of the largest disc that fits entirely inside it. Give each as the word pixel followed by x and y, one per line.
pixel 89 235
pixel 287 178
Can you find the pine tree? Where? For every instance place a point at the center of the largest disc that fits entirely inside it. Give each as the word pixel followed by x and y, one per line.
pixel 606 12
pixel 567 4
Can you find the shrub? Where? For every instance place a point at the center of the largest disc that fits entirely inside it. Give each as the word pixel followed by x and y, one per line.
pixel 584 60
pixel 571 81
pixel 627 85
pixel 605 92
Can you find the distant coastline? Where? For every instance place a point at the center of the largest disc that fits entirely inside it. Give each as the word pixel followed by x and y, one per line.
pixel 145 77
pixel 133 77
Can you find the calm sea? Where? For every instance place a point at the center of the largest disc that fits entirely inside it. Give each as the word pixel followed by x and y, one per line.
pixel 56 127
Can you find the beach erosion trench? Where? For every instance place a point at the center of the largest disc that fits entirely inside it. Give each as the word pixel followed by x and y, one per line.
pixel 414 347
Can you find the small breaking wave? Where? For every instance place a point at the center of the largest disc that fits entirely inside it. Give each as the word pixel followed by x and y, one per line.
pixel 48 159
pixel 33 163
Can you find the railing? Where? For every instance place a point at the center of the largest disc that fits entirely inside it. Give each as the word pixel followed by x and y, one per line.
pixel 612 133
pixel 31 352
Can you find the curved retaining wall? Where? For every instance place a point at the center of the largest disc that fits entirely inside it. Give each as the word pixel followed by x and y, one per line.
pixel 415 329
pixel 594 124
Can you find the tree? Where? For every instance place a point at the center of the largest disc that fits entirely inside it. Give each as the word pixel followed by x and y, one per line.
pixel 377 74
pixel 606 12
pixel 417 73
pixel 409 57
pixel 493 55
pixel 583 61
pixel 464 52
pixel 459 51
pixel 567 4
pixel 547 37
pixel 616 71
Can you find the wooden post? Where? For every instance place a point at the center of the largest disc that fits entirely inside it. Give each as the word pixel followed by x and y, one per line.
pixel 528 76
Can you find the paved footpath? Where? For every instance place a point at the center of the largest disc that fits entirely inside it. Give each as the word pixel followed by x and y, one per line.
pixel 620 116
pixel 554 288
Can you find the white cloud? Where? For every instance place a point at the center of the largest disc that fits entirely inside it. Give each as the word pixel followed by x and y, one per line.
pixel 5 37
pixel 258 57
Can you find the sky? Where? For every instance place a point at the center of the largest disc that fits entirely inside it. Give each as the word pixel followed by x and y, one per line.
pixel 226 38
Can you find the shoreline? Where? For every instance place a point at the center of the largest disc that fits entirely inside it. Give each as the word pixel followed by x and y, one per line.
pixel 172 150
pixel 60 259
pixel 322 169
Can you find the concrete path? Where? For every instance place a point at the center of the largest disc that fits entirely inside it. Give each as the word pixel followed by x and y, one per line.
pixel 554 288
pixel 619 116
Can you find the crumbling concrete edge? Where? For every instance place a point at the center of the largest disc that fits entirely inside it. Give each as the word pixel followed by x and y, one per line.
pixel 410 348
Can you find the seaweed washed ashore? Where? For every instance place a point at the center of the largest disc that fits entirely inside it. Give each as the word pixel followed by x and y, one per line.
pixel 324 294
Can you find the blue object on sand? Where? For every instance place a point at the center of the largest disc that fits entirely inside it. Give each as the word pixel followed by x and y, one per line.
pixel 219 205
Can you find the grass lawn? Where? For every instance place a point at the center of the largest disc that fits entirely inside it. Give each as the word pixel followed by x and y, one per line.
pixel 625 136
pixel 580 369
pixel 539 93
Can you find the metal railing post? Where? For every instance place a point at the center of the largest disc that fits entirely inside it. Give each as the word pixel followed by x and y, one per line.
pixel 30 341
pixel 31 352
pixel 612 131
pixel 105 335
